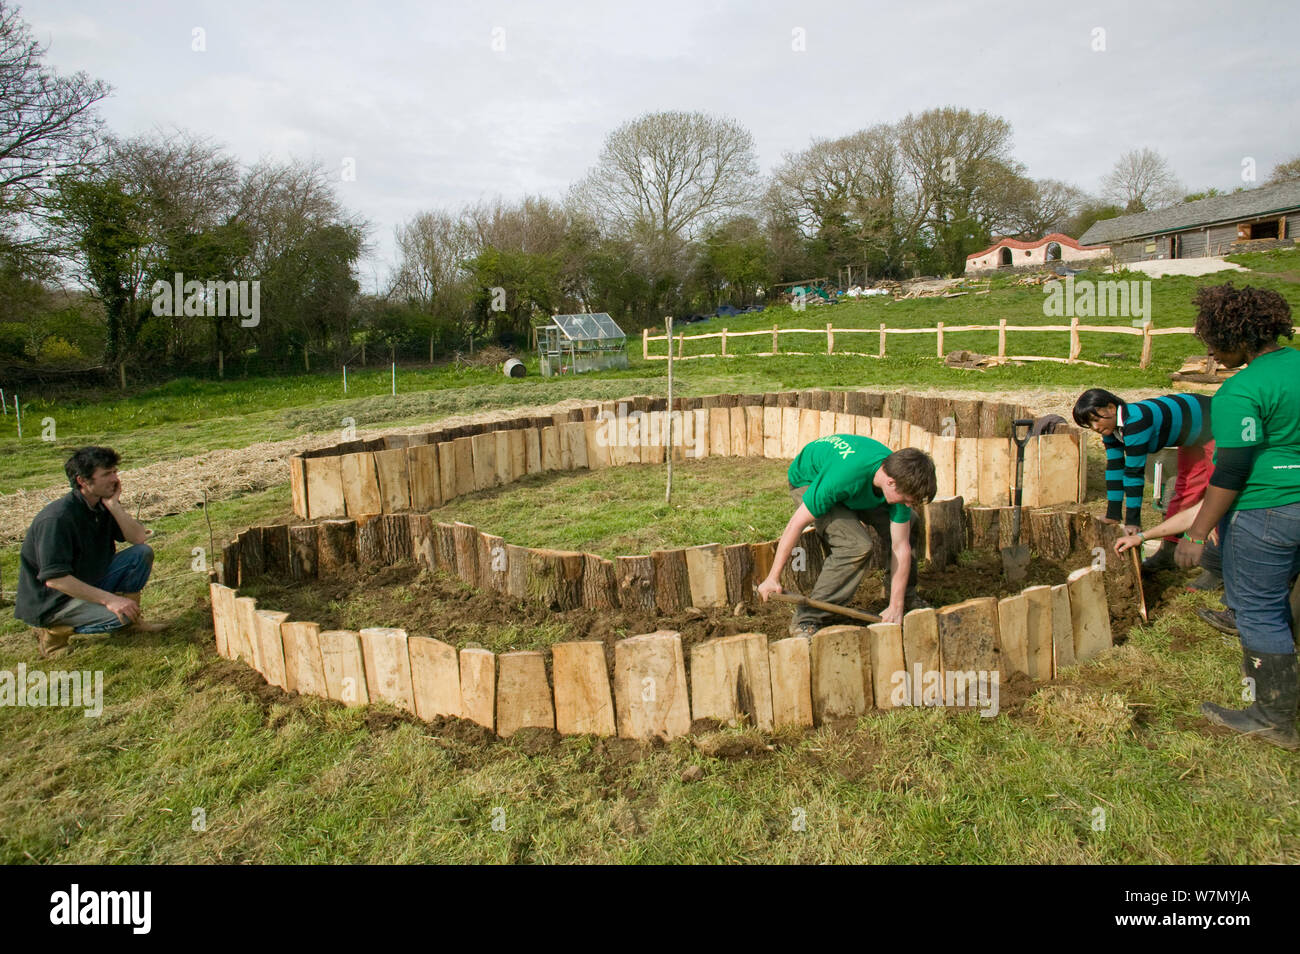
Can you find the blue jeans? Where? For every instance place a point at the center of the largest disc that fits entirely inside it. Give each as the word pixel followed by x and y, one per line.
pixel 128 573
pixel 1261 555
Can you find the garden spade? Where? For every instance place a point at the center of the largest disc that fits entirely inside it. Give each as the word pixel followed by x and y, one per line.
pixel 828 607
pixel 1015 558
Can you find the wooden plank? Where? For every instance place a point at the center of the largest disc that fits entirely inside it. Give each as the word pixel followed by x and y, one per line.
pixel 943 451
pixel 466 542
pixel 809 428
pixel 302 553
pixel 738 568
pixel 995 463
pixel 371 549
pixel 249 642
pixel 304 666
pixel 596 435
pixel 584 704
pixel 298 485
pixel 1062 629
pixel 483 448
pixel 550 448
pixel 1013 631
pixel 700 433
pixel 731 680
pixel 420 532
pixel 921 658
pixel 738 427
pixel 503 474
pixel 888 668
pixel 422 471
pixel 967 480
pixel 772 425
pixel 754 431
pixel 791 418
pixel 1039 650
pixel 360 484
pixel 533 450
pixel 790 666
pixel 344 665
pixel 252 558
pixel 223 619
pixel 573 446
pixel 841 673
pixel 493 563
pixel 388 666
pixel 706 575
pixel 650 691
pixel 720 431
pixel 462 449
pixel 478 687
pixel 447 484
pixel 1089 613
pixel 270 646
pixel 523 694
pixel 1058 470
pixel 968 645
pixel 324 488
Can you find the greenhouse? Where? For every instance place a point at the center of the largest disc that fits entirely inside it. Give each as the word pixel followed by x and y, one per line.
pixel 574 343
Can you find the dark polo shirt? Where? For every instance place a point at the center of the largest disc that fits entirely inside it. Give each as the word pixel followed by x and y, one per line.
pixel 67 538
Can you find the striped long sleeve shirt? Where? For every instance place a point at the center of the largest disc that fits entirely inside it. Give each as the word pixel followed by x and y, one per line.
pixel 1175 420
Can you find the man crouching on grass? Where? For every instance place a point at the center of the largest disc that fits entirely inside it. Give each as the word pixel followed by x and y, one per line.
pixel 70 577
pixel 842 483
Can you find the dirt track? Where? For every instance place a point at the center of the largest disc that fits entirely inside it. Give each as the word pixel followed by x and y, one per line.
pixel 175 486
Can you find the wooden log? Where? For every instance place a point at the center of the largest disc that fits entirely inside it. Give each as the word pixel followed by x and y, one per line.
pixel 720 431
pixel 672 580
pixel 924 686
pixel 763 555
pixel 809 429
pixel 553 578
pixel 1089 613
pixel 303 667
pixel 298 486
pixel 650 692
pixel 806 562
pixel 1013 632
pixel 336 547
pixel 706 576
pixel 738 427
pixel 550 449
pixel 388 666
pixel 841 673
pixel 967 468
pixel 754 431
pixel 982 528
pixel 252 558
pixel 425 477
pixel 584 704
pixel 966 419
pixel 533 450
pixel 700 433
pixel 790 421
pixel 1039 650
pixel 502 456
pixel 462 449
pixel 599 588
pixel 731 680
pixel 275 550
pixel 478 687
pixel 516 571
pixel 738 569
pixel 943 451
pixel 360 484
pixel 247 640
pixel 1062 629
pixel 1057 475
pixel 1006 527
pixel 772 425
pixel 888 669
pixel 968 646
pixel 493 563
pixel 371 547
pixel 635 576
pixel 789 662
pixel 596 434
pixel 573 446
pixel 483 448
pixel 324 478
pixel 223 619
pixel 523 694
pixel 652 449
pixel 302 553
pixel 447 482
pixel 514 458
pixel 420 531
pixel 995 464
pixel 1049 533
pixel 397 538
pixel 444 547
pixel 944 531
pixel 230 564
pixel 344 665
pixel 1123 579
pixel 465 541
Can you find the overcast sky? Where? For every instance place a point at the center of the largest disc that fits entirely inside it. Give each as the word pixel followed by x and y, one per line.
pixel 434 116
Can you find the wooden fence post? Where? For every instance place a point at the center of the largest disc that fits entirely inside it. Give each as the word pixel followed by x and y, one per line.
pixel 1002 338
pixel 775 349
pixel 1074 339
pixel 1146 345
pixel 882 339
pixel 681 344
pixel 645 343
pixel 939 340
pixel 830 338
pixel 724 342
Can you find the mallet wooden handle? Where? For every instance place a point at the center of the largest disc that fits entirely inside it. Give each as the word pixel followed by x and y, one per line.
pixel 828 607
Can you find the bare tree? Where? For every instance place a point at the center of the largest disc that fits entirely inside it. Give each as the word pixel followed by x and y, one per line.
pixel 1284 172
pixel 1142 180
pixel 432 250
pixel 48 127
pixel 668 175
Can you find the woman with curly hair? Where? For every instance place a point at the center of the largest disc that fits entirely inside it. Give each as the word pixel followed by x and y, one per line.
pixel 1254 497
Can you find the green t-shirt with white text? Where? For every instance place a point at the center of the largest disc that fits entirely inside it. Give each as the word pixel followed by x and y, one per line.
pixel 839 469
pixel 1259 407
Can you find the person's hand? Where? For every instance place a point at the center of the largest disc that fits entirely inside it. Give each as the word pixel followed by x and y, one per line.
pixel 1127 542
pixel 1188 553
pixel 892 614
pixel 117 495
pixel 767 588
pixel 124 609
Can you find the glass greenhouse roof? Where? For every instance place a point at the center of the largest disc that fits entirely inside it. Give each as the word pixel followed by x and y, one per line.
pixel 593 327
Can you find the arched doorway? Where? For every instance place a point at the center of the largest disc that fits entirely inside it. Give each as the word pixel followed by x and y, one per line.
pixel 1004 257
pixel 1053 252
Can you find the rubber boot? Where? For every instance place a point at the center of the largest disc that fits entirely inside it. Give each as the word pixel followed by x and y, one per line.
pixel 140 625
pixel 53 641
pixel 1271 716
pixel 1162 559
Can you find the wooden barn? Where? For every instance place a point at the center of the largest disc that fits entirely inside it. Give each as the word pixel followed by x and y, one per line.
pixel 1251 220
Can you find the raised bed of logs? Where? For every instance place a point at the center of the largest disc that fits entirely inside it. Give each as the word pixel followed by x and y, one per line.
pixel 361 497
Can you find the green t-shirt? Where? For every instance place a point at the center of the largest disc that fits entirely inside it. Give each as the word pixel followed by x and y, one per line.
pixel 839 469
pixel 1259 407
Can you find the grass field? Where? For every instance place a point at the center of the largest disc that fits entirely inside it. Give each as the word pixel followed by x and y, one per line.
pixel 1112 765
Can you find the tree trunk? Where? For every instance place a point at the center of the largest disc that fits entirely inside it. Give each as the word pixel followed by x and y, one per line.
pixel 336 547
